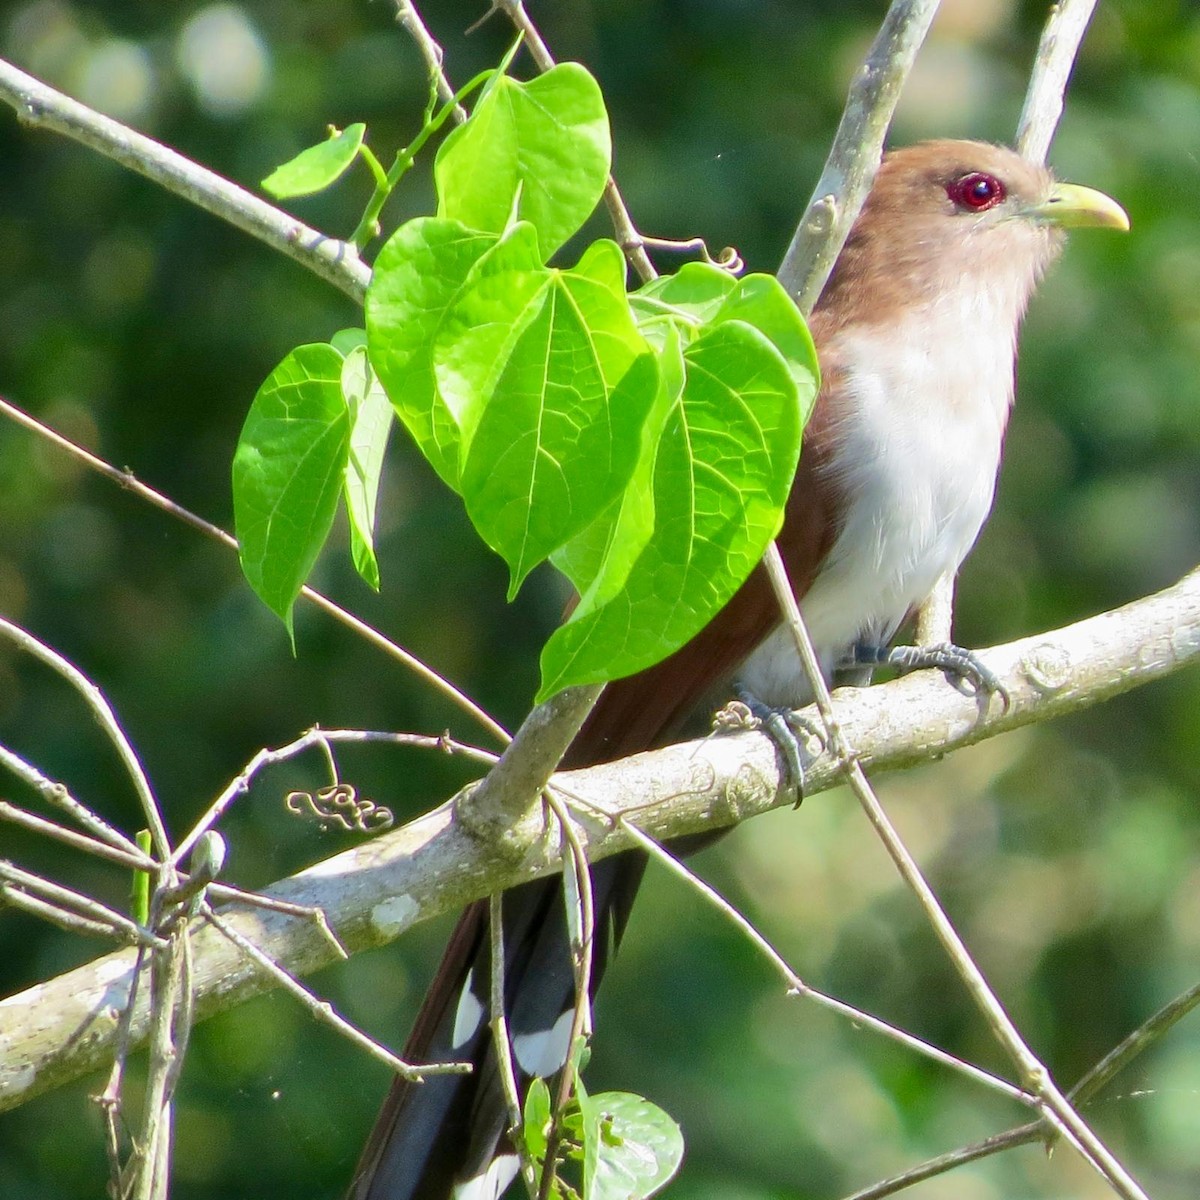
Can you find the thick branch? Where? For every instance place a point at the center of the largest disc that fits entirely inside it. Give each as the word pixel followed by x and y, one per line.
pixel 37 104
pixel 514 784
pixel 61 1029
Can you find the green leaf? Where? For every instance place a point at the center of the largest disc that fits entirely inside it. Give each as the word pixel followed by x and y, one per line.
pixel 287 472
pixel 598 560
pixel 345 340
pixel 695 292
pixel 560 436
pixel 314 169
pixel 500 295
pixel 631 1147
pixel 370 424
pixel 419 276
pixel 581 1055
pixel 535 1122
pixel 723 471
pixel 761 301
pixel 537 151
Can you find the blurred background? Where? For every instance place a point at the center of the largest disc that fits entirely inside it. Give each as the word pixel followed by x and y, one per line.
pixel 141 327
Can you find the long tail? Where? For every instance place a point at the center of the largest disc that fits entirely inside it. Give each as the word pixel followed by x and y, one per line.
pixel 448 1135
pixel 451 1131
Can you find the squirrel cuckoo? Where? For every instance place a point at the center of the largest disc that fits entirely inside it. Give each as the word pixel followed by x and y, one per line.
pixel 916 333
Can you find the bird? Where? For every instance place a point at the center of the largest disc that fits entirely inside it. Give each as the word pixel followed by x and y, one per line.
pixel 916 335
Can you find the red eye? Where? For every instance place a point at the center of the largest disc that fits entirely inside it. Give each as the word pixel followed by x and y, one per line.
pixel 977 191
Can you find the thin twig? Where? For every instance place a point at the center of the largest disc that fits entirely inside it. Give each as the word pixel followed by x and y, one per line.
pixel 410 21
pixel 70 903
pixel 71 921
pixel 309 912
pixel 170 986
pixel 102 711
pixel 502 1042
pixel 727 259
pixel 1035 1131
pixel 323 1011
pixel 942 1163
pixel 128 481
pixel 57 794
pixel 581 923
pixel 1138 1042
pixel 316 736
pixel 1052 1103
pixel 134 860
pixel 110 1099
pixel 797 986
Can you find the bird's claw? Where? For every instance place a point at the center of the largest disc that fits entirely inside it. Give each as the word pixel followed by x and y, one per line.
pixel 784 727
pixel 961 666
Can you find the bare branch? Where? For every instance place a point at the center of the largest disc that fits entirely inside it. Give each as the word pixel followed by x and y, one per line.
pixel 128 481
pixel 854 156
pixel 323 1011
pixel 313 737
pixel 796 986
pixel 410 21
pixel 1056 54
pixel 66 1026
pixel 1105 1070
pixel 135 860
pixel 39 105
pixel 102 711
pixel 18 885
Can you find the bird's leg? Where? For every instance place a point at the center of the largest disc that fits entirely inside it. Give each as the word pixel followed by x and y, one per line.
pixel 960 665
pixel 784 727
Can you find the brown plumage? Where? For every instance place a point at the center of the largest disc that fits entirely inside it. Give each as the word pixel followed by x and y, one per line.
pixel 916 334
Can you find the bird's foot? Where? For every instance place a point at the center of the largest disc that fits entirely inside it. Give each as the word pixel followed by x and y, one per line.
pixel 783 726
pixel 962 667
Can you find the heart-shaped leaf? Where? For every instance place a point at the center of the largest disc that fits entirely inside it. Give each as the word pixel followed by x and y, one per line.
pixel 287 473
pixel 561 433
pixel 537 151
pixel 723 471
pixel 631 1148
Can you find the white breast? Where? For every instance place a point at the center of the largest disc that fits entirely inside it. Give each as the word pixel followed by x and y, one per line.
pixel 919 449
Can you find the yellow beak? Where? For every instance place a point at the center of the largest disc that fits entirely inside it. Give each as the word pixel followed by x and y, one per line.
pixel 1070 206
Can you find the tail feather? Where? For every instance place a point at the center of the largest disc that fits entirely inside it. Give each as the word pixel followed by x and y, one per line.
pixel 448 1136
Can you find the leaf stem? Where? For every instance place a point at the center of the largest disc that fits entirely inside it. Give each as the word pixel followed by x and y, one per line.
pixel 385 182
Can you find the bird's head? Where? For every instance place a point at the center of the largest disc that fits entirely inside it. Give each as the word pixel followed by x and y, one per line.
pixel 947 218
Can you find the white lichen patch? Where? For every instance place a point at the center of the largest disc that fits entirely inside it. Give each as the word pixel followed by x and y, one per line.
pixel 395 914
pixel 15 1079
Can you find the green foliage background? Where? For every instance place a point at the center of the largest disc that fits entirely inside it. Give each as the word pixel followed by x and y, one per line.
pixel 1067 854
